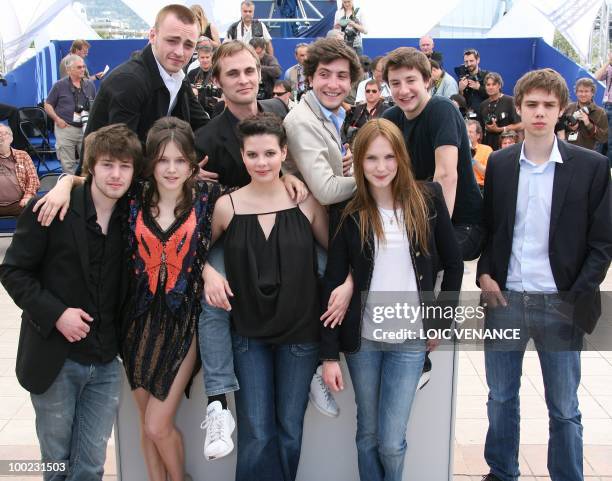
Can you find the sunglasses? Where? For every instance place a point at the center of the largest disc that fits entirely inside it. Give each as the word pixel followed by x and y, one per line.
pixel 278 94
pixel 368 91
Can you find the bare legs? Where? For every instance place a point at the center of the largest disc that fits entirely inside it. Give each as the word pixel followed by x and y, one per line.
pixel 162 443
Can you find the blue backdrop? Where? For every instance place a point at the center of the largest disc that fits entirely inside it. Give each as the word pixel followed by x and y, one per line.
pixel 30 83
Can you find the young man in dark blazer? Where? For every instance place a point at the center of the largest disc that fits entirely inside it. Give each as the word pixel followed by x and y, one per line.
pixel 549 242
pixel 152 84
pixel 68 279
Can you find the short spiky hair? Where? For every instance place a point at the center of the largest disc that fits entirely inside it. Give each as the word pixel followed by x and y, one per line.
pixel 326 50
pixel 181 12
pixel 545 79
pixel 408 57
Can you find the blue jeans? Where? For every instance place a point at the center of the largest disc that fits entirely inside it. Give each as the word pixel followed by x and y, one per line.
pixel 270 405
pixel 215 340
pixel 558 343
pixel 608 108
pixel 384 379
pixel 75 416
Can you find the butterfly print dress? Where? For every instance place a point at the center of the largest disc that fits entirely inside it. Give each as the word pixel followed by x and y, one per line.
pixel 165 270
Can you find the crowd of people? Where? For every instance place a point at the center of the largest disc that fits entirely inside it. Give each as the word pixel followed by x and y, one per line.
pixel 215 190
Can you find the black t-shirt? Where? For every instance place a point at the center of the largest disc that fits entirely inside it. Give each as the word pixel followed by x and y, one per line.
pixel 503 108
pixel 440 124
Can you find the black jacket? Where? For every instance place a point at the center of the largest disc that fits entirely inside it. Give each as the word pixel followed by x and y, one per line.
pixel 135 94
pixel 45 271
pixel 345 253
pixel 219 141
pixel 580 238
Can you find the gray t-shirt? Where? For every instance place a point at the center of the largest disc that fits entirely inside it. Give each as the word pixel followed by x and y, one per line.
pixel 64 97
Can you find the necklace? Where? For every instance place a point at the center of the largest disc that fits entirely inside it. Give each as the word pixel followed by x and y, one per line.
pixel 389 217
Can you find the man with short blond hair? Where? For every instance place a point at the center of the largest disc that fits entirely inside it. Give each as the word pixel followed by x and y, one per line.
pixel 152 84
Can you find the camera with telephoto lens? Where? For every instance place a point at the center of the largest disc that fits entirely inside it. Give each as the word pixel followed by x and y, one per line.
pixel 573 119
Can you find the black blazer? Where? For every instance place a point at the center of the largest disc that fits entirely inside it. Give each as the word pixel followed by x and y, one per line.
pixel 135 94
pixel 580 238
pixel 345 253
pixel 219 140
pixel 45 271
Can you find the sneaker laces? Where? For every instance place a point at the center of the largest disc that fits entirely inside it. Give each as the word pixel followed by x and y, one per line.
pixel 213 426
pixel 328 395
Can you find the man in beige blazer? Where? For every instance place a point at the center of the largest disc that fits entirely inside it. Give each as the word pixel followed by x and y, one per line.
pixel 316 152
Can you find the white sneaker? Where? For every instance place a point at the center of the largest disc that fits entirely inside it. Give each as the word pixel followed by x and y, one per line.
pixel 219 425
pixel 321 397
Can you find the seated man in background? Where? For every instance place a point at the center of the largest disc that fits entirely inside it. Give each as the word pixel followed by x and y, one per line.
pixel 498 113
pixel 583 123
pixel 18 179
pixel 270 68
pixel 442 83
pixel 480 152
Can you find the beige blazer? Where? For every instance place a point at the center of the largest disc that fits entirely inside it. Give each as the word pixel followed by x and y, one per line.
pixel 315 152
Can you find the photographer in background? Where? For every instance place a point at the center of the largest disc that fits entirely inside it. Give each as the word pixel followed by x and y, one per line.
pixel 583 123
pixel 373 107
pixel 349 21
pixel 200 79
pixel 68 105
pixel 441 82
pixel 498 112
pixel 270 68
pixel 471 81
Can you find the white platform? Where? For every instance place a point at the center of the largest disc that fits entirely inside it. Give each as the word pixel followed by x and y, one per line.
pixel 328 448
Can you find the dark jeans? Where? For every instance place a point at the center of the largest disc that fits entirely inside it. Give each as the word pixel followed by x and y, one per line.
pixel 558 342
pixel 470 238
pixel 270 405
pixel 11 210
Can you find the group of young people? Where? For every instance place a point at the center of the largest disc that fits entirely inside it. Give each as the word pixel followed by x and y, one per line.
pixel 305 230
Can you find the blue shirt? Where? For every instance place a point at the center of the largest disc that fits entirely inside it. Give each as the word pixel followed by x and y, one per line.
pixel 529 269
pixel 336 119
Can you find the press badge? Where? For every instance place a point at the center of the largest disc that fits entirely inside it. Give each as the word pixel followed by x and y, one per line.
pixel 573 137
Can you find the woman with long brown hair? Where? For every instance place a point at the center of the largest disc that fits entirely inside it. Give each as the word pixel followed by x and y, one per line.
pixel 393 235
